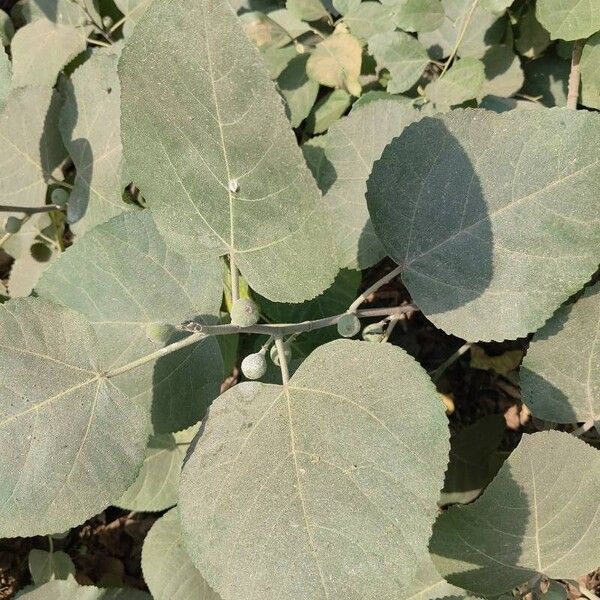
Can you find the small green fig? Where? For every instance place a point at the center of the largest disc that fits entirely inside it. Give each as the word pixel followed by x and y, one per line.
pixel 159 332
pixel 244 313
pixel 107 22
pixel 13 225
pixel 349 325
pixel 275 355
pixel 254 366
pixel 59 196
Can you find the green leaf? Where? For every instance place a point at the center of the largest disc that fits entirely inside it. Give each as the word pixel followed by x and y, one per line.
pixel 27 269
pixel 590 74
pixel 90 129
pixel 65 12
pixel 519 528
pixel 197 139
pixel 532 39
pixel 472 461
pixel 7 29
pixel 354 144
pixel 168 571
pixel 336 62
pixel 123 276
pixel 314 155
pixel 486 243
pixel 430 585
pixel 157 483
pixel 371 96
pixel 294 26
pixel 55 401
pixel 569 19
pixel 503 73
pixel 31 148
pixel 299 91
pixel 560 376
pixel 71 590
pixel 132 12
pixel 344 6
pixel 46 566
pixel 327 111
pixel 41 49
pixel 463 80
pixel 369 18
pixel 263 31
pixel 417 15
pixel 277 59
pixel 326 476
pixel 307 10
pixel 496 6
pixel 402 55
pixel 547 78
pixel 5 77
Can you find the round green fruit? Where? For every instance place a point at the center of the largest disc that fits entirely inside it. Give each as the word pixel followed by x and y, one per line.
pixel 13 225
pixel 244 313
pixel 254 366
pixel 348 326
pixel 159 332
pixel 59 196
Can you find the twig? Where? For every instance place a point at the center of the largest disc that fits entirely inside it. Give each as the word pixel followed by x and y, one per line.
pixel 575 75
pixel 97 43
pixel 437 373
pixel 391 275
pixel 285 373
pixel 8 235
pixel 117 24
pixel 584 428
pixel 30 210
pixel 588 593
pixel 460 37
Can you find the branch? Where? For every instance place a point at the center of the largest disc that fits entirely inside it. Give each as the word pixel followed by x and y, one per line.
pixel 277 330
pixel 285 373
pixel 30 210
pixel 370 290
pixel 460 37
pixel 575 75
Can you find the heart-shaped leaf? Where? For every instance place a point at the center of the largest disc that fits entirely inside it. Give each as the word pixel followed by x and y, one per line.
pixel 214 155
pixel 332 477
pixel 369 18
pixel 463 81
pixel 489 247
pixel 560 375
pixel 527 522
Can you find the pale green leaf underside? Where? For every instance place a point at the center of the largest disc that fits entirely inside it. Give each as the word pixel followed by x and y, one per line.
pixel 527 521
pixel 353 144
pixel 157 483
pixel 560 375
pixel 417 15
pixel 335 61
pixel 41 49
pixel 71 441
pixel 368 19
pixel 189 141
pixel 590 74
pixel 569 19
pixel 71 590
pixel 90 128
pixel 494 230
pixel 123 275
pixel 45 566
pixel 333 479
pixel 30 145
pixel 168 570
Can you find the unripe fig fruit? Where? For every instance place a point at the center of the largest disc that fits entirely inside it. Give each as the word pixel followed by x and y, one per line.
pixel 107 22
pixel 159 332
pixel 349 325
pixel 13 225
pixel 244 313
pixel 275 355
pixel 254 366
pixel 59 196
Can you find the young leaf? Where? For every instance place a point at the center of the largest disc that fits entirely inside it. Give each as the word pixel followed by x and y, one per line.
pixel 198 135
pixel 463 81
pixel 590 74
pixel 31 147
pixel 569 19
pixel 336 62
pixel 417 15
pixel 354 144
pixel 403 56
pixel 519 528
pixel 369 18
pixel 299 91
pixel 90 128
pixel 327 476
pixel 503 73
pixel 71 590
pixel 168 570
pixel 132 11
pixel 263 31
pixel 488 246
pixel 71 441
pixel 123 276
pixel 157 483
pixel 41 49
pixel 45 566
pixel 327 111
pixel 560 376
